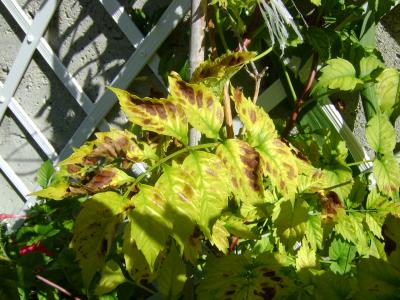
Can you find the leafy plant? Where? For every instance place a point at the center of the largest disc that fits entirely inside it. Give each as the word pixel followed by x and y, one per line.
pixel 261 213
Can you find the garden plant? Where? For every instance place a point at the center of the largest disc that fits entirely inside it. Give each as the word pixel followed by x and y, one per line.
pixel 260 207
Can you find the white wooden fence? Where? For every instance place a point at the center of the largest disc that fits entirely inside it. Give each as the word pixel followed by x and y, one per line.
pixel 145 53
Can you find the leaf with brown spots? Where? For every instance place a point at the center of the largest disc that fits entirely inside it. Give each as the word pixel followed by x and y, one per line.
pixel 203 109
pixel 107 178
pixel 258 124
pixel 163 116
pixel 224 66
pixel 244 277
pixel 208 172
pixel 178 188
pixel 94 231
pixel 135 262
pixel 150 224
pixel 279 164
pixel 243 163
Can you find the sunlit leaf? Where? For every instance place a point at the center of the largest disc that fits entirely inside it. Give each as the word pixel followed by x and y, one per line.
pixel 178 188
pixel 386 170
pixel 172 275
pixel 238 226
pixel 203 109
pixel 369 64
pixel 388 90
pixel 220 236
pixel 339 74
pixel 57 191
pixel 224 66
pixel 150 224
pixel 350 227
pixel 111 278
pixel 44 174
pixel 258 124
pixel 163 116
pixel 94 231
pixel 339 179
pixel 290 221
pixel 208 172
pixel 306 256
pixel 108 177
pixel 314 231
pixel 135 262
pixel 243 163
pixel 279 164
pixel 380 134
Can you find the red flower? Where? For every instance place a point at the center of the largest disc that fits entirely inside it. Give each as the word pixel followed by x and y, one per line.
pixel 36 247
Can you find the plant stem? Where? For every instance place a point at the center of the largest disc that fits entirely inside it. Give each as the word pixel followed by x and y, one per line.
pixel 220 31
pixel 300 101
pixel 359 162
pixel 165 159
pixel 262 54
pixel 289 82
pixel 228 112
pixel 56 286
pixel 196 55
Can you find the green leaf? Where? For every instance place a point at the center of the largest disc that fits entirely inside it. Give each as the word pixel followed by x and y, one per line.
pixel 306 256
pixel 238 226
pixel 321 40
pixel 135 262
pixel 111 278
pixel 242 277
pixel 43 175
pixel 388 90
pixel 94 231
pixel 202 108
pixel 339 74
pixel 290 221
pixel 350 227
pixel 224 67
pixel 380 134
pixel 378 207
pixel 220 237
pixel 150 224
pixel 377 280
pixel 342 254
pixel 314 231
pixel 163 116
pixel 58 191
pixel 243 164
pixel 369 64
pixel 340 176
pixel 172 275
pixel 316 2
pixel 208 172
pixel 386 171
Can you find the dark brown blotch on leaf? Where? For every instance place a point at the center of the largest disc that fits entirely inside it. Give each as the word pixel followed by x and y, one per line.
pixel 199 98
pixel 186 91
pixel 103 178
pixel 161 111
pixel 253 116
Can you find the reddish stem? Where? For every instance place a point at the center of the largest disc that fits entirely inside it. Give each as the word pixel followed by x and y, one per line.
pixel 56 286
pixel 301 100
pixel 235 240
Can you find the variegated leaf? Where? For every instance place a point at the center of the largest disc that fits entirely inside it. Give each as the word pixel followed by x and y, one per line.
pixel 386 170
pixel 279 164
pixel 150 223
pixel 163 116
pixel 203 109
pixel 258 124
pixel 178 188
pixel 94 231
pixel 220 237
pixel 208 171
pixel 224 66
pixel 243 163
pixel 57 191
pixel 108 177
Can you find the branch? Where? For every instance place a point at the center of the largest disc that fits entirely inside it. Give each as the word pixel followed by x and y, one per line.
pixel 300 101
pixel 228 112
pixel 196 55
